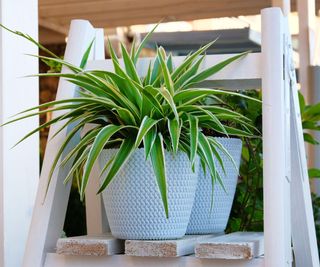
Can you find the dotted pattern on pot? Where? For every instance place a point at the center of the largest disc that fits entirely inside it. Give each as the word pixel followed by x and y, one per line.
pixel 203 220
pixel 133 203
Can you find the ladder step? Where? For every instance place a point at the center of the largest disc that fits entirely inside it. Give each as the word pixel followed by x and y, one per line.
pixel 58 260
pixel 238 245
pixel 164 248
pixel 93 245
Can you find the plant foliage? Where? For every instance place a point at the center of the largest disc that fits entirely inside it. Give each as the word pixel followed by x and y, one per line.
pixel 163 110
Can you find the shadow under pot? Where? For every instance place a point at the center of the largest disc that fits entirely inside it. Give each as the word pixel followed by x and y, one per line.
pixel 203 219
pixel 133 203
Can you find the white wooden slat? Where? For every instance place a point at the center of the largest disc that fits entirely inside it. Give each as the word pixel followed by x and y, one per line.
pixel 244 73
pixel 276 187
pixel 90 245
pixel 96 219
pixel 55 260
pixel 19 166
pixel 238 245
pixel 164 248
pixel 303 227
pixel 49 211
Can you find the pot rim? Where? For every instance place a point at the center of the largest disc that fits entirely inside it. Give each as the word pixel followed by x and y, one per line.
pixel 179 151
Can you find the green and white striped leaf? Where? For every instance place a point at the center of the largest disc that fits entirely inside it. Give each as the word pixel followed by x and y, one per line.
pixel 189 59
pixel 129 65
pixel 194 136
pixel 167 96
pixel 174 130
pixel 125 150
pixel 148 140
pixel 212 70
pixel 159 167
pixel 143 42
pixel 100 141
pixel 85 57
pixel 165 71
pixel 146 124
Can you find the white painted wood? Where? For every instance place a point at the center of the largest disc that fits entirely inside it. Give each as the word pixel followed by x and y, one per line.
pixel 19 167
pixel 49 212
pixel 90 245
pixel 55 260
pixel 235 246
pixel 302 220
pixel 276 186
pixel 303 228
pixel 164 248
pixel 242 74
pixel 96 218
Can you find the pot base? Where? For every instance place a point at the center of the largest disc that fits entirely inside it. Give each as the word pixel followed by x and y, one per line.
pixel 133 203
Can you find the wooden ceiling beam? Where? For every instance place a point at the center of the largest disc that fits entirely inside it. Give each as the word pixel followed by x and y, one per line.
pixel 56 15
pixel 142 7
pixel 125 19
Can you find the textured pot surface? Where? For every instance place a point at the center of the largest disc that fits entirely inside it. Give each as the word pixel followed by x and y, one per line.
pixel 203 220
pixel 133 203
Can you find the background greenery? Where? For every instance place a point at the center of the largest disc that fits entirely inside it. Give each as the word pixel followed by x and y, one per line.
pixel 247 210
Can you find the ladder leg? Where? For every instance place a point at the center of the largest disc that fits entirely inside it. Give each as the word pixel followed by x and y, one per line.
pixel 276 186
pixel 96 218
pixel 95 214
pixel 49 212
pixel 303 228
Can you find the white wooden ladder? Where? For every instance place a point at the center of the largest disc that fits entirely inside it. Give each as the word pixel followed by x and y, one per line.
pixel 287 203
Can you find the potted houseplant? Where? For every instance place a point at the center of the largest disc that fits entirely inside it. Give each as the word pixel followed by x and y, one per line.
pixel 147 134
pixel 211 210
pixel 219 200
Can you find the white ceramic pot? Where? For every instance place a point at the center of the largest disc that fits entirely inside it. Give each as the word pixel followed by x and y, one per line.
pixel 132 200
pixel 203 220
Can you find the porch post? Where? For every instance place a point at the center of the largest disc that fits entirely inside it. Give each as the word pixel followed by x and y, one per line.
pixel 276 186
pixel 19 167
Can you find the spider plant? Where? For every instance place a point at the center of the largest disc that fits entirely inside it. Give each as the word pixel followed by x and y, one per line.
pixel 163 110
